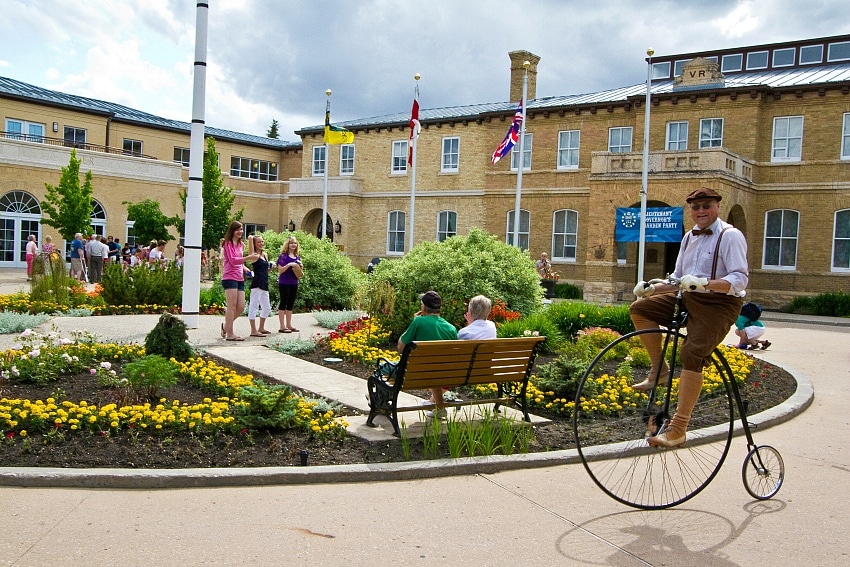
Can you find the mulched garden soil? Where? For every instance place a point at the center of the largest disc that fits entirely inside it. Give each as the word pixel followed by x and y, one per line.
pixel 767 386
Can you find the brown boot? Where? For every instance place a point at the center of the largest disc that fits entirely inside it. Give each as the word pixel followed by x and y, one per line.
pixel 690 385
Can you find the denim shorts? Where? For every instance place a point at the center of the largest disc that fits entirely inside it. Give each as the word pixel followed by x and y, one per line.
pixel 233 284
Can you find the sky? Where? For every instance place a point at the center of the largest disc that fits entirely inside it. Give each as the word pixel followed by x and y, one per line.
pixel 274 59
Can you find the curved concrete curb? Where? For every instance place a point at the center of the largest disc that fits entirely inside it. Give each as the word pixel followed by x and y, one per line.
pixel 214 477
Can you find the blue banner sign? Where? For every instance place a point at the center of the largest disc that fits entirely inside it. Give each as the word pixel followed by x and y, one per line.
pixel 663 224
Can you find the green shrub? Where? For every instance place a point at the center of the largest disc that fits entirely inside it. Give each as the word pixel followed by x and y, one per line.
pixel 330 279
pixel 831 304
pixel 567 291
pixel 213 295
pixel 170 339
pixel 11 322
pixel 292 346
pixel 333 319
pixel 561 376
pixel 536 322
pixel 572 316
pixel 75 312
pixel 150 375
pixel 264 407
pixel 459 268
pixel 142 285
pixel 50 281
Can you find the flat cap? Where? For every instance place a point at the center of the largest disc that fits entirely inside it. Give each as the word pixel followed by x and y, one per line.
pixel 431 299
pixel 703 193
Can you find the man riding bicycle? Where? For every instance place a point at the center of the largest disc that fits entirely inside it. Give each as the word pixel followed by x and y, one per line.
pixel 712 266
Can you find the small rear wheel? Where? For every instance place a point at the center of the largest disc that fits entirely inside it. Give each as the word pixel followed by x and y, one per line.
pixel 763 472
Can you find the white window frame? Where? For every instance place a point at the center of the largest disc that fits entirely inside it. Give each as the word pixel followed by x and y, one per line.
pixel 130 233
pixel 843 240
pixel 346 159
pixel 661 70
pixel 524 228
pixel 845 137
pixel 679 66
pixel 569 144
pixel 396 232
pixel 181 156
pixel 753 65
pixel 616 145
pixel 398 164
pixel 839 45
pixel 527 144
pixel 76 133
pixel 446 225
pixel 565 235
pixel 253 228
pixel 28 131
pixel 806 59
pixel 675 140
pixel 450 161
pixel 710 141
pixel 318 161
pixel 779 52
pixel 787 237
pixel 732 63
pixel 132 147
pixel 787 139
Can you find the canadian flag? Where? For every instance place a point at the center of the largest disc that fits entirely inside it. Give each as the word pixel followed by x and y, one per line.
pixel 414 128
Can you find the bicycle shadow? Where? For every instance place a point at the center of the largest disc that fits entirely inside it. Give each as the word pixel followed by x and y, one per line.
pixel 662 537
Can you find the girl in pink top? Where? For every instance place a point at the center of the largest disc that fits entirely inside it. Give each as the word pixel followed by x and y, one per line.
pixel 233 279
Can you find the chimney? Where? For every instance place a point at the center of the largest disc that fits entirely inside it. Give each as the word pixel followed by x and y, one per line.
pixel 518 72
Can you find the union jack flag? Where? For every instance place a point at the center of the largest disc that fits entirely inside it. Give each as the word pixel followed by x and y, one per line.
pixel 511 138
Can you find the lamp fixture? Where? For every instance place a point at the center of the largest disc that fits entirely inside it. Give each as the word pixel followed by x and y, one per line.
pixel 55 126
pixel 337 227
pixel 291 226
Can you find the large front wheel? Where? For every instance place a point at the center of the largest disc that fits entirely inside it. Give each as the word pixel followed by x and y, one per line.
pixel 611 422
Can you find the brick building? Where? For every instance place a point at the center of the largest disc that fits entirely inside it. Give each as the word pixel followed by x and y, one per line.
pixel 768 126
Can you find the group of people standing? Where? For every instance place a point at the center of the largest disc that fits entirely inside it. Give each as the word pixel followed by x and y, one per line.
pixel 234 269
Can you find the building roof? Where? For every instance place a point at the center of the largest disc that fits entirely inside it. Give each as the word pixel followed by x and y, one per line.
pixel 11 88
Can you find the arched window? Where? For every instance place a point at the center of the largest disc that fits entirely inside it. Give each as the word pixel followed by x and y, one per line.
pixel 565 235
pixel 19 202
pixel 98 218
pixel 524 227
pixel 395 232
pixel 780 239
pixel 841 242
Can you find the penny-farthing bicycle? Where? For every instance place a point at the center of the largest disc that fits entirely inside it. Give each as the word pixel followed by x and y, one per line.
pixel 612 444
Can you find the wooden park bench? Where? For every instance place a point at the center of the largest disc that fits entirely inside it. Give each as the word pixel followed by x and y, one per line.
pixel 449 364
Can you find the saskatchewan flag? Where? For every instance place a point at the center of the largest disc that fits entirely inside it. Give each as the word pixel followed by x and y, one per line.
pixel 335 134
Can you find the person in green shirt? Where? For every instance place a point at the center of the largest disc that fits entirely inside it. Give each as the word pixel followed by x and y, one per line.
pixel 427 325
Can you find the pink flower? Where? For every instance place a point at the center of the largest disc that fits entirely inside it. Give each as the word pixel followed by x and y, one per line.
pixel 92 371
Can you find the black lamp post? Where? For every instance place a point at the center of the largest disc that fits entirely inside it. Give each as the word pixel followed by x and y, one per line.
pixel 338 227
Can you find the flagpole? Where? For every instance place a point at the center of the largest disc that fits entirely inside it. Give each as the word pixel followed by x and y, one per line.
pixel 645 172
pixel 327 166
pixel 520 160
pixel 193 234
pixel 414 138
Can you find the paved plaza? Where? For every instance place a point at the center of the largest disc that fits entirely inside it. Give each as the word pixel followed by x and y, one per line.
pixel 550 514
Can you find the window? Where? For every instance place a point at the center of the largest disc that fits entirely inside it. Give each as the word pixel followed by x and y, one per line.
pixel 130 234
pixel 731 63
pixel 75 137
pixel 661 70
pixel 710 132
pixel 787 138
pixel 446 225
pixel 399 164
pixel 780 239
pixel 250 228
pixel 620 139
pixel 451 155
pixel 524 225
pixel 841 242
pixel 784 57
pixel 23 130
pixel 838 51
pixel 568 145
pixel 318 160
pixel 679 67
pixel 181 156
pixel 757 60
pixel 132 147
pixel 565 235
pixel 677 135
pixel 346 159
pixel 253 168
pixel 526 152
pixel 845 137
pixel 395 231
pixel 811 54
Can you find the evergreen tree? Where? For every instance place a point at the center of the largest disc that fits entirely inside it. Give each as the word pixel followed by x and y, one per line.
pixel 68 206
pixel 273 133
pixel 149 221
pixel 218 202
